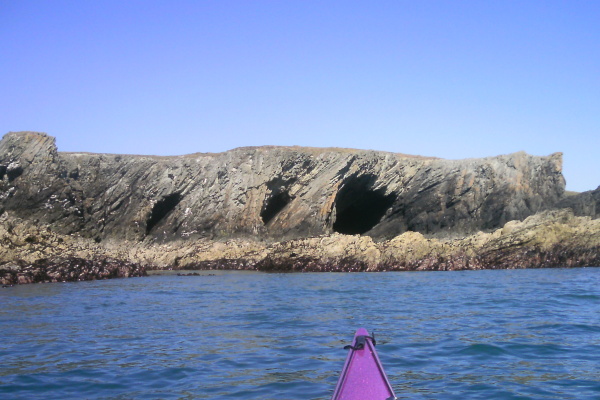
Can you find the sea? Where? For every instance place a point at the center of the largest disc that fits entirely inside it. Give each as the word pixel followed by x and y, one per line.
pixel 493 334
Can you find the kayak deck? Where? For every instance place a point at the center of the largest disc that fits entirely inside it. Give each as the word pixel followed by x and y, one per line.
pixel 362 377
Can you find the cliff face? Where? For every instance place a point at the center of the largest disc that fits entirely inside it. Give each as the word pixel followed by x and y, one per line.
pixel 583 204
pixel 268 192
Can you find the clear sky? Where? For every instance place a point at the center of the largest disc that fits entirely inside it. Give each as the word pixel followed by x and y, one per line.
pixel 451 79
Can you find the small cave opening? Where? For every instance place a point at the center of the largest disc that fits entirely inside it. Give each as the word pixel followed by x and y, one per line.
pixel 358 207
pixel 14 173
pixel 273 205
pixel 161 209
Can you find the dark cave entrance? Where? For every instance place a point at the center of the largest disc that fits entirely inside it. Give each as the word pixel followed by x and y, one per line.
pixel 13 173
pixel 161 209
pixel 274 205
pixel 358 207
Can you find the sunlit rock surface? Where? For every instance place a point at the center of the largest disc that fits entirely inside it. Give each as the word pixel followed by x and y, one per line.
pixel 269 192
pixel 548 239
pixel 76 216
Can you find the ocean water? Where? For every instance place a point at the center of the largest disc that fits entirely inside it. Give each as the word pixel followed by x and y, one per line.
pixel 507 334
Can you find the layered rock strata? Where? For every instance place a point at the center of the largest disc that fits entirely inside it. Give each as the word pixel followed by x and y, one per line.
pixel 271 193
pixel 79 216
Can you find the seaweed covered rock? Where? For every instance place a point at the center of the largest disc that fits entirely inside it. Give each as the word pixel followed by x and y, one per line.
pixel 67 269
pixel 552 239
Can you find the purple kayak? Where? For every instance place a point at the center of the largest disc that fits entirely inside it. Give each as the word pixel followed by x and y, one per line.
pixel 363 377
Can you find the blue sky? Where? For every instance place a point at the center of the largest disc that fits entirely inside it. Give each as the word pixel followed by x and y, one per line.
pixel 451 79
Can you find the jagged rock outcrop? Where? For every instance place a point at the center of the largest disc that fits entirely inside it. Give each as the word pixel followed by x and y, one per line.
pixel 61 269
pixel 80 216
pixel 272 193
pixel 583 204
pixel 549 239
pixel 33 253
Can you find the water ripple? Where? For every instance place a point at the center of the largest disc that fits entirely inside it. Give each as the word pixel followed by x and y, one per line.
pixel 522 334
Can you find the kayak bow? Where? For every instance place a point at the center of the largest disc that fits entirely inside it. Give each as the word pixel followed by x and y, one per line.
pixel 362 377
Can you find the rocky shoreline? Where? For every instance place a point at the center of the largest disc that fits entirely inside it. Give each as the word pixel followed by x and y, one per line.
pixel 552 239
pixel 68 269
pixel 82 216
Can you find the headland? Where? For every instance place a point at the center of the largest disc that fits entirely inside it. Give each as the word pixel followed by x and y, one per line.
pixel 78 216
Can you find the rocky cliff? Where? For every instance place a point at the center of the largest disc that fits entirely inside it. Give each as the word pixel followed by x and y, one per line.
pixel 75 216
pixel 583 204
pixel 269 192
